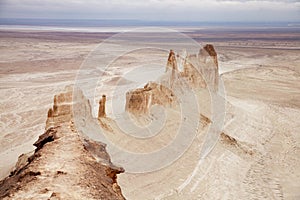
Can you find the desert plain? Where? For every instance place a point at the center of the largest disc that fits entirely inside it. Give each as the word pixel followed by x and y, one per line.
pixel 256 156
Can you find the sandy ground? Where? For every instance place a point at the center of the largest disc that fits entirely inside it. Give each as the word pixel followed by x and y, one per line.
pixel 262 90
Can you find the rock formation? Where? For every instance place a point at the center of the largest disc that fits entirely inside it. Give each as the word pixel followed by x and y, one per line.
pixel 64 165
pixel 193 76
pixel 209 66
pixel 101 112
pixel 172 68
pixel 210 50
pixel 172 63
pixel 199 71
pixel 62 108
pixel 140 100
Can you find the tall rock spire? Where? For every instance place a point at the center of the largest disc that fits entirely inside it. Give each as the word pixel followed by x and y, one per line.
pixel 102 102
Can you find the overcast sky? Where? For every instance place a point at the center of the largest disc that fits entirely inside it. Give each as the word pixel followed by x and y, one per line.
pixel 167 10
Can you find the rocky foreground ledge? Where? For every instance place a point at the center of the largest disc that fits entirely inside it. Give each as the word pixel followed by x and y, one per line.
pixel 64 165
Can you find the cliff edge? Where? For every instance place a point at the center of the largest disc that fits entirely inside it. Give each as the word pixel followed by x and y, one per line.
pixel 64 165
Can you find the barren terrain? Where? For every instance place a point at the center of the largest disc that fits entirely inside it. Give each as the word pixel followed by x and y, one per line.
pixel 257 154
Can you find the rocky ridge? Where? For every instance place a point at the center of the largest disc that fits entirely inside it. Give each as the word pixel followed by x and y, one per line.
pixel 64 165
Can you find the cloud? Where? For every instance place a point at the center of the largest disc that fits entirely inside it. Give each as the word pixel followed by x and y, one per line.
pixel 184 10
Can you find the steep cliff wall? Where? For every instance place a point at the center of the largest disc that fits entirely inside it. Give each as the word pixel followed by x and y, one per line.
pixel 62 108
pixel 141 99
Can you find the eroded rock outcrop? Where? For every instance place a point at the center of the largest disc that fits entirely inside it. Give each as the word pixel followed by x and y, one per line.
pixel 234 145
pixel 193 76
pixel 209 50
pixel 172 63
pixel 209 66
pixel 199 71
pixel 62 108
pixel 64 165
pixel 101 112
pixel 141 99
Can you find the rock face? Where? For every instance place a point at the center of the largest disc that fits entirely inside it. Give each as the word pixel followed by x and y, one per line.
pixel 199 71
pixel 172 69
pixel 101 112
pixel 172 63
pixel 64 165
pixel 62 108
pixel 193 76
pixel 209 66
pixel 139 101
pixel 210 50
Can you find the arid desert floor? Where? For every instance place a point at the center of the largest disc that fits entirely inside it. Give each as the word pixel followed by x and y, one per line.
pixel 261 74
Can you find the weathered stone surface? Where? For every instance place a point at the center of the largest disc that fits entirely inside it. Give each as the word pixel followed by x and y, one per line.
pixel 209 66
pixel 199 71
pixel 172 63
pixel 23 160
pixel 62 108
pixel 193 76
pixel 140 100
pixel 101 112
pixel 49 136
pixel 64 165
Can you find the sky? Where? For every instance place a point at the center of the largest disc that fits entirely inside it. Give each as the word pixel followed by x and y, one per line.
pixel 155 10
